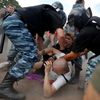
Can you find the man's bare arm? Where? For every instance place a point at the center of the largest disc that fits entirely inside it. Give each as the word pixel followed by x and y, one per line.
pixel 71 56
pixel 48 89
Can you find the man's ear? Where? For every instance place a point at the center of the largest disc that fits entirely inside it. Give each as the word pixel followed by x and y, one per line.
pixel 89 12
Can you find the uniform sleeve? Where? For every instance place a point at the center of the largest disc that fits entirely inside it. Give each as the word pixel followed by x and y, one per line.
pixel 56 22
pixel 83 40
pixel 53 20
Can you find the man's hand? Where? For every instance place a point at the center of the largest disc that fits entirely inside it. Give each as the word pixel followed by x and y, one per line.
pixel 48 65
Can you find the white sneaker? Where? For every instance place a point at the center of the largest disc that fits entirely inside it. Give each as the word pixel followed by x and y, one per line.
pixel 4 64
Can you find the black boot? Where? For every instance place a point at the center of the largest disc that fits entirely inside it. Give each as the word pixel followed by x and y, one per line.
pixel 78 68
pixel 7 91
pixel 75 78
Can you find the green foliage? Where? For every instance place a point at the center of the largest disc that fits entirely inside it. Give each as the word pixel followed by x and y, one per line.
pixel 7 2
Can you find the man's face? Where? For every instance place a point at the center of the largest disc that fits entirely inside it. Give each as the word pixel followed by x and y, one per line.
pixel 68 41
pixel 10 9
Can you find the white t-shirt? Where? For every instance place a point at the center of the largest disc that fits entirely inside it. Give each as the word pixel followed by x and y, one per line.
pixel 59 80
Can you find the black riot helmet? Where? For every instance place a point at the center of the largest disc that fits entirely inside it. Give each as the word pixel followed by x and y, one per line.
pixel 57 4
pixel 80 20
